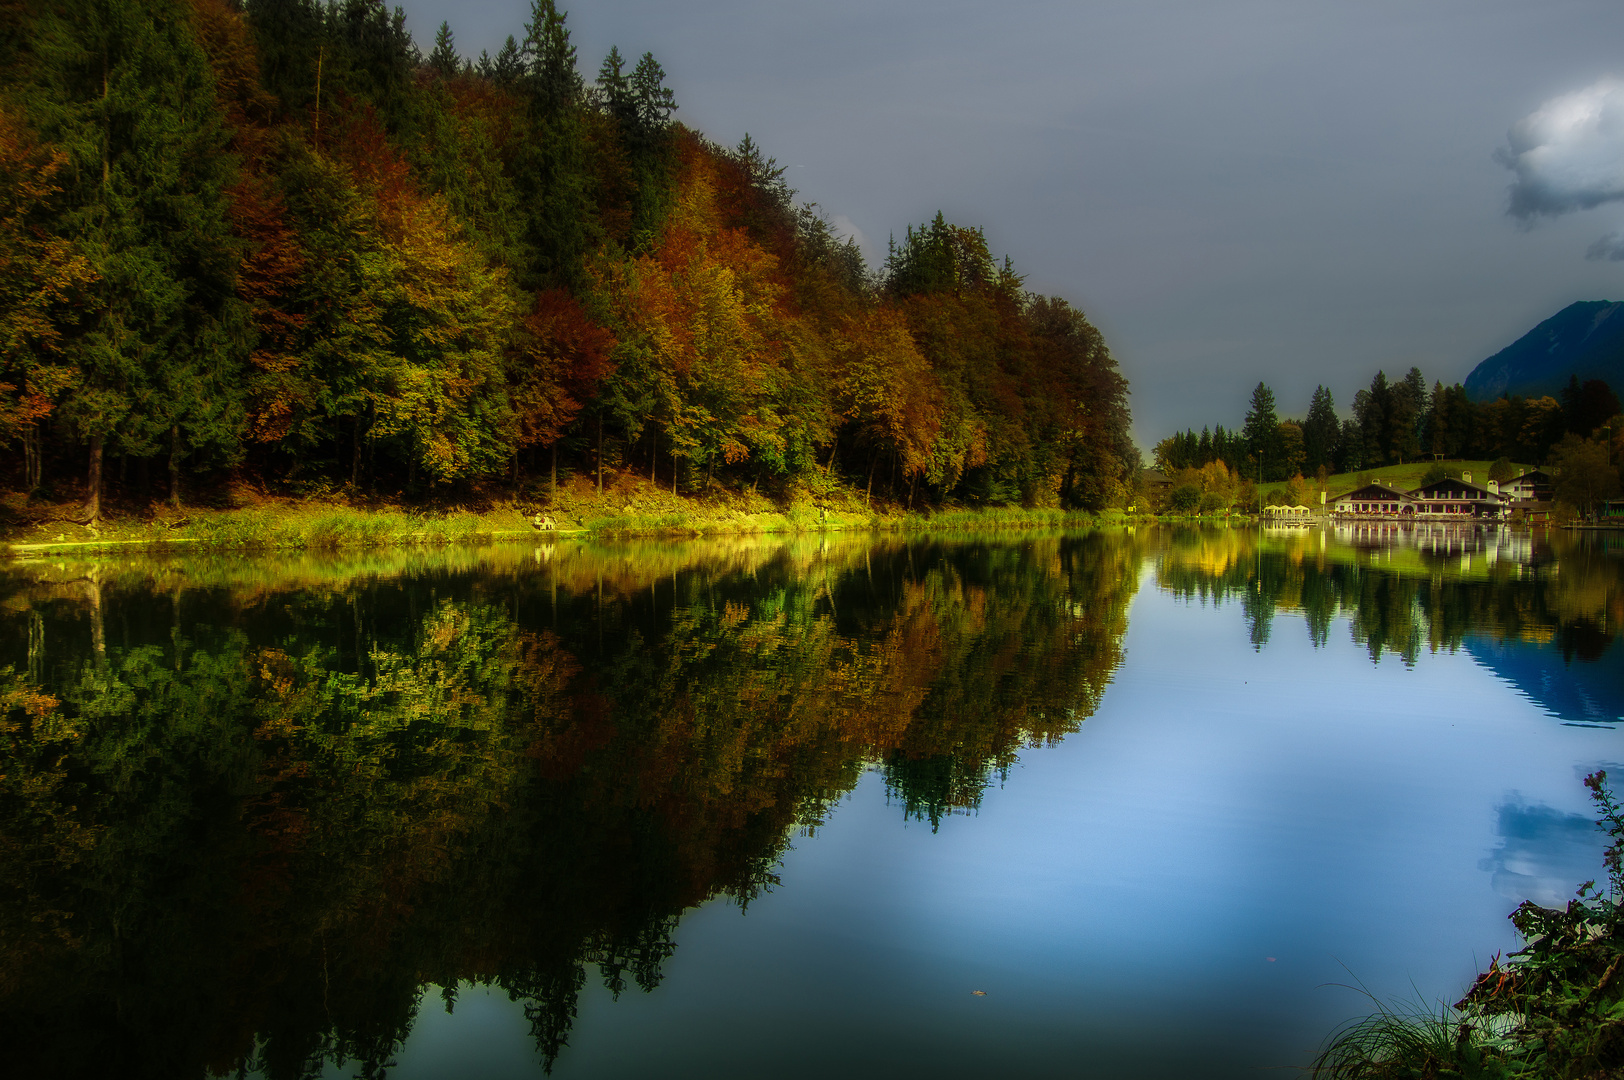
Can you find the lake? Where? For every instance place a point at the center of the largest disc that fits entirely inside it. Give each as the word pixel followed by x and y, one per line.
pixel 1157 802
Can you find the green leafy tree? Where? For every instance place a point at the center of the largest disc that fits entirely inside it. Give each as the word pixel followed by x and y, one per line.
pixel 1292 455
pixel 1585 475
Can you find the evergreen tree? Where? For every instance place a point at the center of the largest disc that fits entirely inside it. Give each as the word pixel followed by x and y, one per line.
pixel 1350 447
pixel 444 61
pixel 290 36
pixel 614 90
pixel 654 102
pixel 1410 416
pixel 1262 433
pixel 550 168
pixel 1320 431
pixel 123 87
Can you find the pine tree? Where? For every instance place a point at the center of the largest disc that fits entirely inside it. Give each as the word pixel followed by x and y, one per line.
pixel 551 169
pixel 123 87
pixel 444 61
pixel 1320 431
pixel 1262 432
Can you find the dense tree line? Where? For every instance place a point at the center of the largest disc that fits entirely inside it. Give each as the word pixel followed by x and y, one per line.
pixel 1398 421
pixel 274 237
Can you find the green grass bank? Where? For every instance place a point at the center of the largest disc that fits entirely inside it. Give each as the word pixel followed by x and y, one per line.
pixel 627 507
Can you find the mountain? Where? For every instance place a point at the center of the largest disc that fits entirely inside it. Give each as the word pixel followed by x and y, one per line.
pixel 1584 339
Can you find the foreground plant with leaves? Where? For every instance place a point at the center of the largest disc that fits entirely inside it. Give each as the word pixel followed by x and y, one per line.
pixel 1554 1009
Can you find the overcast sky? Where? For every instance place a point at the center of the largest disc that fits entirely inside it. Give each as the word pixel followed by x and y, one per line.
pixel 1297 192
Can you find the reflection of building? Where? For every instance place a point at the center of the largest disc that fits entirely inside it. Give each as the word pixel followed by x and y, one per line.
pixel 1476 542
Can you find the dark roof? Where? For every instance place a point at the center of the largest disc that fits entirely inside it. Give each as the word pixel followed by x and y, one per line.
pixel 1375 491
pixel 1534 475
pixel 1425 490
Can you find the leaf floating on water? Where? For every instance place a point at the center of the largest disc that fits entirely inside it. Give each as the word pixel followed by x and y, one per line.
pixel 979 993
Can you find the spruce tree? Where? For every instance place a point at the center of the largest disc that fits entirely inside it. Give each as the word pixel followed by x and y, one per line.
pixel 1262 432
pixel 123 87
pixel 550 169
pixel 1320 431
pixel 444 60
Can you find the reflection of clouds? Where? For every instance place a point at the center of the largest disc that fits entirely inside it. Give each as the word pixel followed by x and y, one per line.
pixel 1544 854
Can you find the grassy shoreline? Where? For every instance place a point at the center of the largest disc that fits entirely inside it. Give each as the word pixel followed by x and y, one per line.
pixel 629 510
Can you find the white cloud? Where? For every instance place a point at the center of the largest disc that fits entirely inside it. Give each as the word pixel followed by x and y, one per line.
pixel 1569 153
pixel 847 229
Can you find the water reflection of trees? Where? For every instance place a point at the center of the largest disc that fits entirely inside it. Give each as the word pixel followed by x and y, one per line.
pixel 243 824
pixel 1401 597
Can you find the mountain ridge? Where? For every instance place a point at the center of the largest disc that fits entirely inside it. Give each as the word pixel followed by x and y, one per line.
pixel 1584 339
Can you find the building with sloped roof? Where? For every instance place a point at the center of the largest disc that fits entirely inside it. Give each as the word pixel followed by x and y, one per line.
pixel 1461 500
pixel 1375 500
pixel 1535 485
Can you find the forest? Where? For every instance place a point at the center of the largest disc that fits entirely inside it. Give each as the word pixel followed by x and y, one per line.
pixel 274 240
pixel 1398 421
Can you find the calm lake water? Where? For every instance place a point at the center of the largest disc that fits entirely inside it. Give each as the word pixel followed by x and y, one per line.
pixel 1141 803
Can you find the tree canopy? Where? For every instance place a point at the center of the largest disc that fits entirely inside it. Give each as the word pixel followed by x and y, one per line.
pixel 276 237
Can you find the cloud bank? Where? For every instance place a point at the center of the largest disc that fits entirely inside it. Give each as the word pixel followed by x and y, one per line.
pixel 1569 155
pixel 1609 247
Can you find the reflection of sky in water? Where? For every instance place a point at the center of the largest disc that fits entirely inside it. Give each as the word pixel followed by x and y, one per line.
pixel 1173 891
pixel 1543 852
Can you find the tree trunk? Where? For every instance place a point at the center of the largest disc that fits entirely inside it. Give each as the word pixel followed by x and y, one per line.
pixel 834 446
pixel 868 495
pixel 98 626
pixel 174 466
pixel 36 646
pixel 553 484
pixel 32 455
pixel 321 54
pixel 653 451
pixel 94 481
pixel 355 452
pixel 600 455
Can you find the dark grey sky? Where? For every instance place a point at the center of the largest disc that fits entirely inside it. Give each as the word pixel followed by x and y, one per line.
pixel 1299 192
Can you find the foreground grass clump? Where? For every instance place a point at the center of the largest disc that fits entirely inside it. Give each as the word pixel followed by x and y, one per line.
pixel 1554 1009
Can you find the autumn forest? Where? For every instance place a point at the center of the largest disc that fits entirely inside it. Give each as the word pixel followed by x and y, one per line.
pixel 276 239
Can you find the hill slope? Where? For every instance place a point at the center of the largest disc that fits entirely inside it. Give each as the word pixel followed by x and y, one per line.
pixel 1584 339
